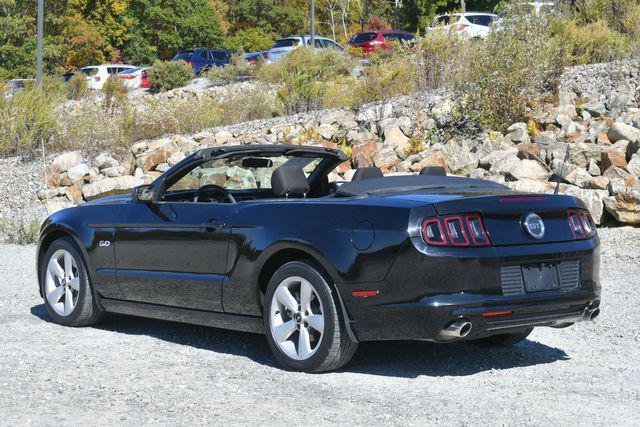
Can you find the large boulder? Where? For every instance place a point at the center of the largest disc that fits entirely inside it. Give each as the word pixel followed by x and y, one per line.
pixel 395 138
pixel 386 158
pixel 362 154
pixel 435 158
pixel 634 165
pixel 613 157
pixel 108 186
pixel 518 133
pixel 78 171
pixel 66 161
pixel 463 164
pixel 625 206
pixel 578 176
pixel 619 131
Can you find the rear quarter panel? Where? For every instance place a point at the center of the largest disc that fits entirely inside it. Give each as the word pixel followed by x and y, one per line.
pixel 323 229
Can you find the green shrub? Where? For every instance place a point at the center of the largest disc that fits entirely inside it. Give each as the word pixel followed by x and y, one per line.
pixel 167 75
pixel 27 117
pixel 77 87
pixel 247 106
pixel 584 44
pixel 304 75
pixel 237 70
pixel 115 94
pixel 20 232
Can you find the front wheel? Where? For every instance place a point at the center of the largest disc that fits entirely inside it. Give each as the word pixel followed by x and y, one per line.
pixel 66 288
pixel 503 340
pixel 302 321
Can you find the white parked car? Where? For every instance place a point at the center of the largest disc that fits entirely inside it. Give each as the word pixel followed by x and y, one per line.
pixel 97 75
pixel 283 47
pixel 470 24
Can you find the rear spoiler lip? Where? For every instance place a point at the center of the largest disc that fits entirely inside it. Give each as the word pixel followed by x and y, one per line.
pixel 508 203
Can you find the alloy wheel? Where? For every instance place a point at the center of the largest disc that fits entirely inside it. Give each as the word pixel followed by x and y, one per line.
pixel 62 282
pixel 297 318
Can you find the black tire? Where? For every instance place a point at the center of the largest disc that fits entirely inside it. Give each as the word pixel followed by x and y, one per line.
pixel 87 310
pixel 503 340
pixel 335 348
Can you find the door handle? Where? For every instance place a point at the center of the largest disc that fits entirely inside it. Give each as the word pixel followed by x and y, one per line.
pixel 210 225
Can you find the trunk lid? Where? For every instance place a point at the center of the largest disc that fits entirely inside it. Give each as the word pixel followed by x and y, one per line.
pixel 504 216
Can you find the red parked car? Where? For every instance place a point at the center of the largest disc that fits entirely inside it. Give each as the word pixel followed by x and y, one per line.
pixel 370 41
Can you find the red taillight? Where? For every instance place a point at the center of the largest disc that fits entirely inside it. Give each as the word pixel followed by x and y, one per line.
pixel 477 232
pixel 190 64
pixel 462 26
pixel 581 224
pixel 145 83
pixel 126 76
pixel 432 232
pixel 455 230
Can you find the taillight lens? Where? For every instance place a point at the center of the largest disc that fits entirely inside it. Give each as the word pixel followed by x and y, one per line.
pixel 581 224
pixel 455 230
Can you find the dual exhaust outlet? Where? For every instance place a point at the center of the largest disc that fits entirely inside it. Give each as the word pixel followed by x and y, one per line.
pixel 462 328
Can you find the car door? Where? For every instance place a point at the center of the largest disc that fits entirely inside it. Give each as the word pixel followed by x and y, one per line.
pixel 173 251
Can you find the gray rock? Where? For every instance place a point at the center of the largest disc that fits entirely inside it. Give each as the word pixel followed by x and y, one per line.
pixel 619 131
pixel 463 164
pixel 578 176
pixel 595 108
pixel 634 165
pixel 625 206
pixel 113 171
pixel 593 168
pixel 563 120
pixel 105 160
pixel 593 199
pixel 66 161
pixel 530 169
pixel 110 185
pixel 78 171
pixel 518 133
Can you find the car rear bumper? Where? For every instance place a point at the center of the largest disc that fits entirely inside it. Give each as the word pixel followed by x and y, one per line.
pixel 488 314
pixel 424 293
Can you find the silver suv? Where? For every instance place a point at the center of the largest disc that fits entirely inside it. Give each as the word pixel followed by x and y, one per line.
pixel 282 47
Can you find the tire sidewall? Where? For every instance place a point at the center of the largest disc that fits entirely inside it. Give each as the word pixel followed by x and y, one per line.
pixel 84 293
pixel 324 292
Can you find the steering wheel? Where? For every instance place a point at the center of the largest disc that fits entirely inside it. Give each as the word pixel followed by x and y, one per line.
pixel 207 193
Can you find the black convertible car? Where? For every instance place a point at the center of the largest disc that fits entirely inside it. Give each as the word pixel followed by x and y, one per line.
pixel 256 238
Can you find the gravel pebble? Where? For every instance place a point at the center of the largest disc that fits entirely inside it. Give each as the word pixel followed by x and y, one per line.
pixel 139 371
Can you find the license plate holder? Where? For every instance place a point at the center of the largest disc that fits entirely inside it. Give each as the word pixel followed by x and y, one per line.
pixel 540 277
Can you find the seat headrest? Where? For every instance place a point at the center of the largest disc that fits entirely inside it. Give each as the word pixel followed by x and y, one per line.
pixel 289 181
pixel 367 173
pixel 433 170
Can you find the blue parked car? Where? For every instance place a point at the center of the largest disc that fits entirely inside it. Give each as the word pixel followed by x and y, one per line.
pixel 202 60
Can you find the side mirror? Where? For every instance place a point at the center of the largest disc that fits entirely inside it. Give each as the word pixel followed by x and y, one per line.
pixel 143 193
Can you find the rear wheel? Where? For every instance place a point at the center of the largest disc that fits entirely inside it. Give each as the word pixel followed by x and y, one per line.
pixel 502 340
pixel 302 320
pixel 68 296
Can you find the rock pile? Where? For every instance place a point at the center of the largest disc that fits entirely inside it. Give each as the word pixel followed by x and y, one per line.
pixel 594 126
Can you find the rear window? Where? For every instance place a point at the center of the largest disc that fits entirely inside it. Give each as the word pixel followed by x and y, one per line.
pixel 401 37
pixel 362 38
pixel 184 56
pixel 218 56
pixel 484 20
pixel 89 71
pixel 130 71
pixel 285 43
pixel 445 20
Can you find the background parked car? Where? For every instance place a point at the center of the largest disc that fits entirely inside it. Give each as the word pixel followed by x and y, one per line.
pixel 15 85
pixel 98 75
pixel 470 24
pixel 282 47
pixel 135 78
pixel 202 60
pixel 370 41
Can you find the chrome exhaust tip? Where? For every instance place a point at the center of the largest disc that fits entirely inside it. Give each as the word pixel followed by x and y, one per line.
pixel 459 329
pixel 591 314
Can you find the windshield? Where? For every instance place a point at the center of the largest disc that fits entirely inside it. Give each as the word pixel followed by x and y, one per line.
pixel 185 56
pixel 362 38
pixel 89 71
pixel 484 20
pixel 246 173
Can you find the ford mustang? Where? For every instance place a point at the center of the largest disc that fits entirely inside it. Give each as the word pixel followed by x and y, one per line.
pixel 256 238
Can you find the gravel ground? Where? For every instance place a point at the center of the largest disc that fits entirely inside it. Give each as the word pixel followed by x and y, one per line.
pixel 134 371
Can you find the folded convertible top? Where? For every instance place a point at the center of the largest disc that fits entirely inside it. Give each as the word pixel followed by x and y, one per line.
pixel 421 183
